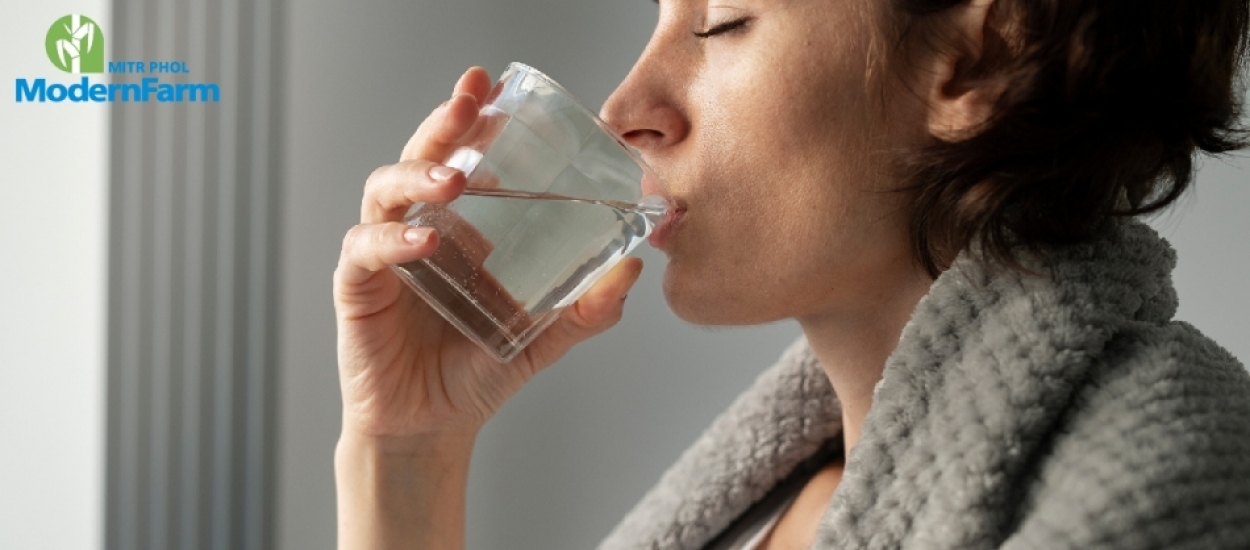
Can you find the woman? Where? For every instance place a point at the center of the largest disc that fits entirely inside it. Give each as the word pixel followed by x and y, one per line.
pixel 941 192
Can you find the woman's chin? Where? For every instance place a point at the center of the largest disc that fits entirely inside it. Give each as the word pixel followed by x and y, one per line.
pixel 700 301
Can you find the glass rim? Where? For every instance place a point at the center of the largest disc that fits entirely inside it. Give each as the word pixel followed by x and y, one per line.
pixel 604 126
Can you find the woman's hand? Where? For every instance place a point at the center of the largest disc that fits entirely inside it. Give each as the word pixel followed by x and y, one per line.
pixel 415 390
pixel 404 371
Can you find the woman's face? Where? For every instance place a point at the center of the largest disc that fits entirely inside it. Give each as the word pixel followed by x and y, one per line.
pixel 759 117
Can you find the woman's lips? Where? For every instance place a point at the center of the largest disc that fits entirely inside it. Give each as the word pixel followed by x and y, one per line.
pixel 663 231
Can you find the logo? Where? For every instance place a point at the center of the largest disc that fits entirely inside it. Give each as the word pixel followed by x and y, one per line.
pixel 75 44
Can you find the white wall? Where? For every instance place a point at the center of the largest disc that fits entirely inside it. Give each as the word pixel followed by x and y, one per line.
pixel 52 297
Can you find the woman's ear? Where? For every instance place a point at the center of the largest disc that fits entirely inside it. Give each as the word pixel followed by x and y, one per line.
pixel 962 91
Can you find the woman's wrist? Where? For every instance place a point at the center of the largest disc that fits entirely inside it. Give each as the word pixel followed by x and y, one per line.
pixel 446 444
pixel 404 492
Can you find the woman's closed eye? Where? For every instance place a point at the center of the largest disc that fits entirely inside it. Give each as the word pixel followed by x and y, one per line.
pixel 722 28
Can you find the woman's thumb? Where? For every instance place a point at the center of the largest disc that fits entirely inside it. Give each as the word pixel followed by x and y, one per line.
pixel 596 311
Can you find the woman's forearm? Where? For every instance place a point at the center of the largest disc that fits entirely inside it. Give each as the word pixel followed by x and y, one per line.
pixel 401 494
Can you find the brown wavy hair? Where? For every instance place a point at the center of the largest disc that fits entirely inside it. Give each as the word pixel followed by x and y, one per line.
pixel 1103 106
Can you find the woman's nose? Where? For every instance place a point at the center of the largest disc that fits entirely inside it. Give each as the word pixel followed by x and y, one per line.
pixel 645 110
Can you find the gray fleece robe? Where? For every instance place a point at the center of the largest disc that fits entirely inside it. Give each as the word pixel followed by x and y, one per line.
pixel 1062 410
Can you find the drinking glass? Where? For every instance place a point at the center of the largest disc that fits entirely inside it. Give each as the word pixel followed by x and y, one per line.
pixel 555 198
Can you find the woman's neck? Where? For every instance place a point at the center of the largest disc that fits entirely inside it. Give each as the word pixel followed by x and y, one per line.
pixel 853 344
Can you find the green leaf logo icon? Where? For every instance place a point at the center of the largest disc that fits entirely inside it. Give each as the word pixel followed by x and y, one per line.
pixel 75 44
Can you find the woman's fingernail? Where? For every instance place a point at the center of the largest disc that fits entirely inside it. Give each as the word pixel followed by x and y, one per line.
pixel 439 172
pixel 417 235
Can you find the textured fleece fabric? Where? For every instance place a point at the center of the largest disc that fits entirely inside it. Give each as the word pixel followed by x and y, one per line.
pixel 1064 409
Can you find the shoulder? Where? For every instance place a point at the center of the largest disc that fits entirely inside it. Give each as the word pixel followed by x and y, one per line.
pixel 1152 452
